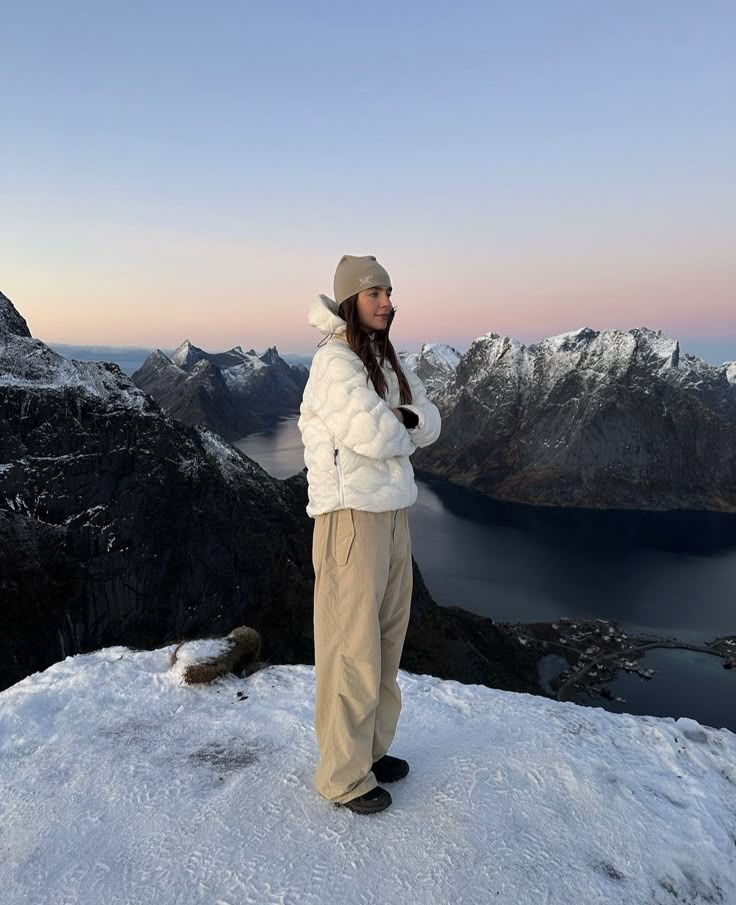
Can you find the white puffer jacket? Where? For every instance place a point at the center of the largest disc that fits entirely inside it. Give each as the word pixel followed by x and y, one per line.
pixel 355 448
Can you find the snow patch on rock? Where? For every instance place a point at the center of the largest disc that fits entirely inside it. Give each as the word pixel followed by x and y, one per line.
pixel 234 465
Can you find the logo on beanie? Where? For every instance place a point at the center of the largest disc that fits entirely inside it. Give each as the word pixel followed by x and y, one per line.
pixel 364 281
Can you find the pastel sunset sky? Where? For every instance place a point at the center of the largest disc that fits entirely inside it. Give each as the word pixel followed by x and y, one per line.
pixel 177 170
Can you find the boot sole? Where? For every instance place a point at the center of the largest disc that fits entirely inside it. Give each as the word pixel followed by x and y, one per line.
pixel 368 807
pixel 362 810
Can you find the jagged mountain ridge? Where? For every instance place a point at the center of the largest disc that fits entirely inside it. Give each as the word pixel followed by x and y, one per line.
pixel 602 419
pixel 234 392
pixel 121 525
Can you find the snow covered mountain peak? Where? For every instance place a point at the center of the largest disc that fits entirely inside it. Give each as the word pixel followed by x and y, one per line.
pixel 187 355
pixel 11 321
pixel 657 346
pixel 27 362
pixel 160 359
pixel 568 341
pixel 441 353
pixel 435 364
pixel 270 356
pixel 492 346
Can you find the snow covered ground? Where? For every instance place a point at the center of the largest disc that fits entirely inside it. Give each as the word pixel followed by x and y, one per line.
pixel 119 784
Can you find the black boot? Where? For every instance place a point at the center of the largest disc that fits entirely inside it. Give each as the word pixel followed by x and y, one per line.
pixel 389 769
pixel 369 802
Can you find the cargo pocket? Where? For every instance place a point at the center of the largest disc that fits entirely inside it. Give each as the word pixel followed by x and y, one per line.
pixel 344 535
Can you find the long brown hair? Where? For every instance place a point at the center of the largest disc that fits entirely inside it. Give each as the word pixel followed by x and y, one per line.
pixel 360 342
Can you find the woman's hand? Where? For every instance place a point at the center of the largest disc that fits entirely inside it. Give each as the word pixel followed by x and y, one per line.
pixel 399 414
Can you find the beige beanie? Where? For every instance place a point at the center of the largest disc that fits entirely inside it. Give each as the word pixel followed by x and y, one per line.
pixel 356 273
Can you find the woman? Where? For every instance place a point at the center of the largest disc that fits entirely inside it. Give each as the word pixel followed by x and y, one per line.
pixel 361 418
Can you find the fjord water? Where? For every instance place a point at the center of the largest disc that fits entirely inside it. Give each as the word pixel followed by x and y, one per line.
pixel 668 574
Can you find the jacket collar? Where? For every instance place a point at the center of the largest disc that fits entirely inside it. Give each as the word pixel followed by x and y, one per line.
pixel 324 317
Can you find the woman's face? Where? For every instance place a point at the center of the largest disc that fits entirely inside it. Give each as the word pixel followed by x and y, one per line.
pixel 374 307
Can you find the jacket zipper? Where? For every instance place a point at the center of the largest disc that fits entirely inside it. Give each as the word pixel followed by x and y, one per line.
pixel 340 488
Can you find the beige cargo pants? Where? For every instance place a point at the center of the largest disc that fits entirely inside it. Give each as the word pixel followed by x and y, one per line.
pixel 362 597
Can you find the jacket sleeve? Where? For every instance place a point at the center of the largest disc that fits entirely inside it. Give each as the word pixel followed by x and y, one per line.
pixel 353 411
pixel 430 422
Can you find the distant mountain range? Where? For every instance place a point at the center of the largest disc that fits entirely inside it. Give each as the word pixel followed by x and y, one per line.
pixel 130 358
pixel 233 393
pixel 598 419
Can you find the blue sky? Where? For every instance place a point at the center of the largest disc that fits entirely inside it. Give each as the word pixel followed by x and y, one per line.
pixel 176 169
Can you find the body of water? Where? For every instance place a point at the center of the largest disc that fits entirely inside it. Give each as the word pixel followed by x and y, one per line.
pixel 668 574
pixel 685 683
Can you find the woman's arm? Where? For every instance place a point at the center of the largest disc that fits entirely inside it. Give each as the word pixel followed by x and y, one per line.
pixel 337 392
pixel 429 423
